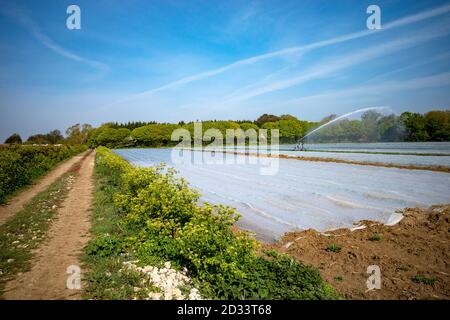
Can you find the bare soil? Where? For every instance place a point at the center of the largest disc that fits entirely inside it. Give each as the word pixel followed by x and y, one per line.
pixel 67 236
pixel 413 255
pixel 16 203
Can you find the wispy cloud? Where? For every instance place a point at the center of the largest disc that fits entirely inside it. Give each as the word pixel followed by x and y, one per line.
pixel 442 79
pixel 326 68
pixel 444 56
pixel 252 9
pixel 411 19
pixel 20 17
pixel 258 83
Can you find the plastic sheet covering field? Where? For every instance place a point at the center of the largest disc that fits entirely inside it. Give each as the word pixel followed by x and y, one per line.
pixel 304 194
pixel 403 153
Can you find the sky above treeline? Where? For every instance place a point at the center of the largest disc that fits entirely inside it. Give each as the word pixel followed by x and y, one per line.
pixel 169 61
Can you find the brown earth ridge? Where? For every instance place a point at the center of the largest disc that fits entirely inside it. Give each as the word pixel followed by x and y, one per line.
pixel 413 255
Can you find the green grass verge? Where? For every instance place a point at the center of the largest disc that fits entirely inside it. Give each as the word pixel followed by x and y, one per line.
pixel 105 278
pixel 27 229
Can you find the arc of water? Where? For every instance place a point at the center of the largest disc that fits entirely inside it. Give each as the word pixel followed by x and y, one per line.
pixel 343 117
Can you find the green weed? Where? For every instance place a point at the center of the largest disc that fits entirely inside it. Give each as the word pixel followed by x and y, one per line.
pixel 375 237
pixel 424 280
pixel 333 248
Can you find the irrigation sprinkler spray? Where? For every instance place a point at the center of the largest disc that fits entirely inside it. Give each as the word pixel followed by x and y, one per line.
pixel 343 117
pixel 300 145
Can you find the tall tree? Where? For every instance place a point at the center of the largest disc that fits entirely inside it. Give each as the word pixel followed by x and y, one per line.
pixel 437 125
pixel 390 128
pixel 55 137
pixel 37 139
pixel 369 121
pixel 266 118
pixel 78 134
pixel 328 118
pixel 414 124
pixel 14 139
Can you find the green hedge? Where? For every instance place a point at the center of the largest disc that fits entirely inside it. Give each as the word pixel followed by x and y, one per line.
pixel 161 220
pixel 21 165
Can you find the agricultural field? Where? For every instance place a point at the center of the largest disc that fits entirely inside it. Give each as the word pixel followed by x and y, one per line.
pixel 400 153
pixel 304 194
pixel 382 147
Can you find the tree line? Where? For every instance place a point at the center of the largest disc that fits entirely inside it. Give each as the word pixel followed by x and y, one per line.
pixel 76 134
pixel 371 127
pixel 374 127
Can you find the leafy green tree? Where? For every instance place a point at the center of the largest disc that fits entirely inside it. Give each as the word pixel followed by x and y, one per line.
pixel 352 131
pixel 341 131
pixel 78 134
pixel 369 121
pixel 390 128
pixel 222 126
pixel 372 127
pixel 437 125
pixel 129 125
pixel 291 130
pixel 93 137
pixel 37 139
pixel 270 126
pixel 288 117
pixel 14 139
pixel 248 125
pixel 154 134
pixel 55 137
pixel 331 133
pixel 328 119
pixel 265 118
pixel 414 124
pixel 111 137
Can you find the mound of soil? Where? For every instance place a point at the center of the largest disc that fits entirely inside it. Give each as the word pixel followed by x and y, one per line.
pixel 413 255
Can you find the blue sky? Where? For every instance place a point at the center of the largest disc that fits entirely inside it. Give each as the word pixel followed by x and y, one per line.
pixel 199 60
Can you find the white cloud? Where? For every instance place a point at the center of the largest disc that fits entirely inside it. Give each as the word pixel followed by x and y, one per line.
pixel 329 67
pixel 298 49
